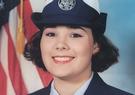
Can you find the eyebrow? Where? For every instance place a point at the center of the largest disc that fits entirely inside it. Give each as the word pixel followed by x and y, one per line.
pixel 80 27
pixel 83 29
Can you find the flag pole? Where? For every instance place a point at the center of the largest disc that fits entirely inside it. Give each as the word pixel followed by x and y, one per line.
pixel 20 31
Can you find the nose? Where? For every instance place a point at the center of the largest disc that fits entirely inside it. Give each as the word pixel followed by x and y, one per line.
pixel 62 45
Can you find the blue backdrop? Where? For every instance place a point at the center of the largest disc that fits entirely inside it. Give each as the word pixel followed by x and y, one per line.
pixel 121 30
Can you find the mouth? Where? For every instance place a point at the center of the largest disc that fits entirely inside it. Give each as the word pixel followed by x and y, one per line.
pixel 62 59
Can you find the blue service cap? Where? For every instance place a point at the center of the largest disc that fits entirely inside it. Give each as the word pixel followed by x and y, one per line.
pixel 72 13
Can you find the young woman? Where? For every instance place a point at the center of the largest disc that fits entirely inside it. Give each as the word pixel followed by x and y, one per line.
pixel 72 47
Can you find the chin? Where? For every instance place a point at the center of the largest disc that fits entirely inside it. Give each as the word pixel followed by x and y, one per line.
pixel 60 75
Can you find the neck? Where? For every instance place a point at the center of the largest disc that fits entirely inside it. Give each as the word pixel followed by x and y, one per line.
pixel 69 86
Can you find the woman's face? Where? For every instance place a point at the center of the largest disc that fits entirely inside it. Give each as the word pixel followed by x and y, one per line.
pixel 67 52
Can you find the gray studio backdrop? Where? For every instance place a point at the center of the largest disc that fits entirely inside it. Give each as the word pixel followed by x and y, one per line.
pixel 121 30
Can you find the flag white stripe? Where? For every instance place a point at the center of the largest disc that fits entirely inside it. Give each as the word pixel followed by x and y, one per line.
pixel 32 80
pixel 4 60
pixel 38 5
pixel 29 71
pixel 13 23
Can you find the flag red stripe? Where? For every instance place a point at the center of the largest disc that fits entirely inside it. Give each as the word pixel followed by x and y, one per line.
pixel 14 67
pixel 3 81
pixel 45 77
pixel 29 27
pixel 14 70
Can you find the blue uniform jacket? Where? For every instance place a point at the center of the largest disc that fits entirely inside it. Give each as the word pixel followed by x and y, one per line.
pixel 97 87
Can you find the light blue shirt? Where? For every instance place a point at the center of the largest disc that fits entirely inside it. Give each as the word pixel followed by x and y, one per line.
pixel 80 91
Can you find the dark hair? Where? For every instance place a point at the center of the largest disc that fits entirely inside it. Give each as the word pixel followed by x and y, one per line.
pixel 107 56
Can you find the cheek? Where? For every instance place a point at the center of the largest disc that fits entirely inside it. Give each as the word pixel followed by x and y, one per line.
pixel 84 55
pixel 45 45
pixel 84 48
pixel 44 49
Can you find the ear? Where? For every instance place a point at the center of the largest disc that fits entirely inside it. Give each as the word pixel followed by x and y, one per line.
pixel 95 48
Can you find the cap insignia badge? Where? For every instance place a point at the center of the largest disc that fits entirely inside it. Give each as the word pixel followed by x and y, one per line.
pixel 66 5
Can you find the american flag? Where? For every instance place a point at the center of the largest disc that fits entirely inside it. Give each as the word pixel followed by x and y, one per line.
pixel 17 75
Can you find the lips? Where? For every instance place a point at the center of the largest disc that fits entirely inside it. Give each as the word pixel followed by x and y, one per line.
pixel 62 59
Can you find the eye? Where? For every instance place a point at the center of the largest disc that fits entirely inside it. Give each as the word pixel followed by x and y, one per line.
pixel 76 35
pixel 50 34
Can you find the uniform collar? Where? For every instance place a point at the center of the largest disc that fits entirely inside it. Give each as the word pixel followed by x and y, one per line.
pixel 80 91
